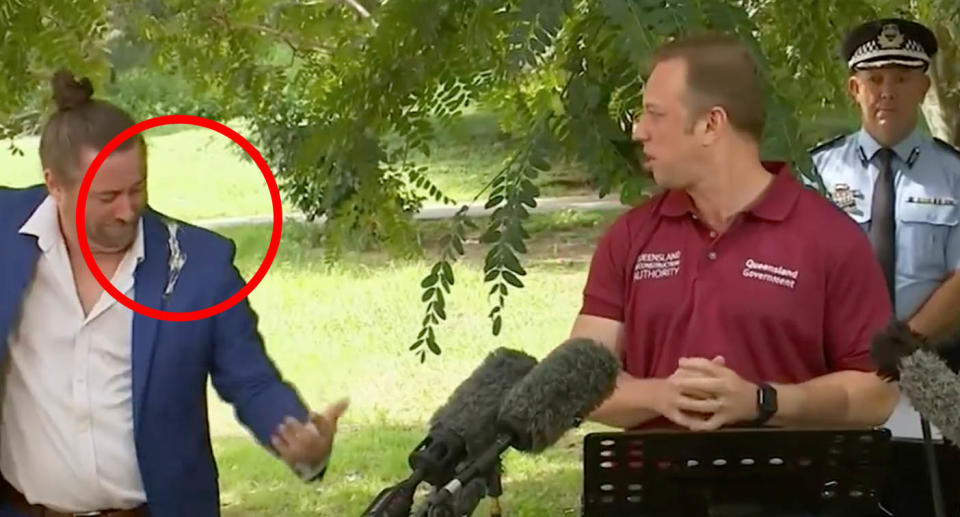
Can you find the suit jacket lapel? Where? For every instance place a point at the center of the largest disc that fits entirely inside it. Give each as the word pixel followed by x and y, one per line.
pixel 16 270
pixel 149 281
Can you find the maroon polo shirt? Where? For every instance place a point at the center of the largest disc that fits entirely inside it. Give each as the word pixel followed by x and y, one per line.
pixel 791 291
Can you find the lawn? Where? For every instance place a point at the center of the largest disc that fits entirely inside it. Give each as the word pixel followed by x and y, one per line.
pixel 199 174
pixel 343 329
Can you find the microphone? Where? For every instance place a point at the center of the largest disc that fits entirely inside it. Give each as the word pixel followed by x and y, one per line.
pixel 571 382
pixel 463 426
pixel 930 384
pixel 925 377
pixel 471 411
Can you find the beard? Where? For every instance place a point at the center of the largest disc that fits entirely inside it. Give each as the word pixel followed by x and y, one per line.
pixel 112 237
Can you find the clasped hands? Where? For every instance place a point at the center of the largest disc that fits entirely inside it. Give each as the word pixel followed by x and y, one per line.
pixel 705 395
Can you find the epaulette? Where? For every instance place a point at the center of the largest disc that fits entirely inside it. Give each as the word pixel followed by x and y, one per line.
pixel 826 144
pixel 952 149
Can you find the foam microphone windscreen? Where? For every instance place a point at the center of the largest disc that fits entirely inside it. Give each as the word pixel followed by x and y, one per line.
pixel 471 410
pixel 891 345
pixel 569 383
pixel 933 389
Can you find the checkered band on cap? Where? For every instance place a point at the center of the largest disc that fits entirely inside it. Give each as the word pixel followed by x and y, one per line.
pixel 872 55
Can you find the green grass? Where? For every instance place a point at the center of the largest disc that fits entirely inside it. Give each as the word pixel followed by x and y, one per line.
pixel 196 173
pixel 344 329
pixel 193 174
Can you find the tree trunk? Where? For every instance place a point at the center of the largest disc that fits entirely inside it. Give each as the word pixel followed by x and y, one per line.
pixel 941 108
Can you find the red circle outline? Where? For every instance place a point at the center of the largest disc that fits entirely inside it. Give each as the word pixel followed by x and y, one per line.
pixel 274 199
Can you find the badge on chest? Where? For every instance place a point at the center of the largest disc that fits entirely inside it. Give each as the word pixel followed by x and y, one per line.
pixel 845 197
pixel 934 201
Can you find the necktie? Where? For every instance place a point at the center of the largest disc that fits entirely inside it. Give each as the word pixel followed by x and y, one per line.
pixel 883 228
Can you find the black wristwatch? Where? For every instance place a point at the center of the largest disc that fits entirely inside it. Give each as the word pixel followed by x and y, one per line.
pixel 766 403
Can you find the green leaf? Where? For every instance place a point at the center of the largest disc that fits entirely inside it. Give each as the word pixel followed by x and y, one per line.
pixel 511 262
pixel 429 281
pixel 432 343
pixel 497 325
pixel 492 235
pixel 512 279
pixel 539 163
pixel 493 259
pixel 493 201
pixel 427 294
pixel 447 272
pixel 491 275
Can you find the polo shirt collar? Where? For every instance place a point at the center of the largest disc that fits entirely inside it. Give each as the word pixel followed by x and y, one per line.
pixel 774 204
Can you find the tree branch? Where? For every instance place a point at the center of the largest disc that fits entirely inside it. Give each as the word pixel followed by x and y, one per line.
pixel 294 42
pixel 359 8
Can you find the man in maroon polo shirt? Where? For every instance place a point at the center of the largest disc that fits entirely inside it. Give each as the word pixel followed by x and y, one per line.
pixel 737 296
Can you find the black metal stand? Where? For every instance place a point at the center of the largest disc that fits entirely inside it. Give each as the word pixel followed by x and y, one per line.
pixel 932 470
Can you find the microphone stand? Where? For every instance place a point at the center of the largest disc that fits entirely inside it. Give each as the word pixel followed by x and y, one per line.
pixel 495 489
pixel 929 451
pixel 483 464
pixel 931 456
pixel 397 500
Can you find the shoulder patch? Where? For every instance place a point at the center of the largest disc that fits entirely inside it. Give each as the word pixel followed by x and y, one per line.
pixel 826 144
pixel 943 144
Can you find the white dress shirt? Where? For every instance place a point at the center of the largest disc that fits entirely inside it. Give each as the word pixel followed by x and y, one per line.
pixel 66 424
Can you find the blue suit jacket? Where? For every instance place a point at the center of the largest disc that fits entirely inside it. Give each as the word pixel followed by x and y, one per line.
pixel 171 360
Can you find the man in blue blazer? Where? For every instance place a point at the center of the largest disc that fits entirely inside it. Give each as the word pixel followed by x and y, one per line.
pixel 104 411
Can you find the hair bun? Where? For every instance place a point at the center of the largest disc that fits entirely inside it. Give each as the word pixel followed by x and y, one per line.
pixel 70 93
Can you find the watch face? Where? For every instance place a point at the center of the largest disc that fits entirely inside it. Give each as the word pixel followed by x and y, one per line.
pixel 768 398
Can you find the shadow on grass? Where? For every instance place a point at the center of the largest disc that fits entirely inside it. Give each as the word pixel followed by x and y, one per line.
pixel 558 238
pixel 370 458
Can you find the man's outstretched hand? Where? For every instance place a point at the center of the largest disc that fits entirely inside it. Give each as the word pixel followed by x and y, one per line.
pixel 308 443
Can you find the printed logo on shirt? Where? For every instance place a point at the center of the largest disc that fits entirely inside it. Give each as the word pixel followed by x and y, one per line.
pixel 657 265
pixel 770 273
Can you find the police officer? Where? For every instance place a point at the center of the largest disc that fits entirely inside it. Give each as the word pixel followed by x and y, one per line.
pixel 899 184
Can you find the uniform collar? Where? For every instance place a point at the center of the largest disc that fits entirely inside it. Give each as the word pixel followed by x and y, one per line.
pixel 774 204
pixel 907 150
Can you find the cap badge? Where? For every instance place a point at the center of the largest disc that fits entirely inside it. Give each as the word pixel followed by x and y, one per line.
pixel 890 36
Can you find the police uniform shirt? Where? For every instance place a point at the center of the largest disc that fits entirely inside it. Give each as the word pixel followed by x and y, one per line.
pixel 927 181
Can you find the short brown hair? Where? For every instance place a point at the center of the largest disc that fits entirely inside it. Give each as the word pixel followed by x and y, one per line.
pixel 80 122
pixel 721 71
